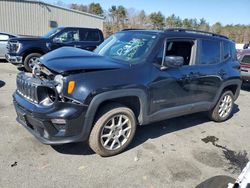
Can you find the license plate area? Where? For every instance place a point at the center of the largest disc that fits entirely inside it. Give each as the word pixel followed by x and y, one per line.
pixel 21 117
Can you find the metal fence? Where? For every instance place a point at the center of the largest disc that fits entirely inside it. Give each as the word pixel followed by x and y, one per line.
pixel 35 18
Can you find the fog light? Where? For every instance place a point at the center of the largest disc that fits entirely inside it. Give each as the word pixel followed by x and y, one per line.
pixel 58 121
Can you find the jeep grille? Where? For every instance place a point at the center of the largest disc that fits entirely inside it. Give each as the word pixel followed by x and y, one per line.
pixel 27 88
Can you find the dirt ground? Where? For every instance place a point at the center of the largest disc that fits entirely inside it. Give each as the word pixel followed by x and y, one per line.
pixel 179 152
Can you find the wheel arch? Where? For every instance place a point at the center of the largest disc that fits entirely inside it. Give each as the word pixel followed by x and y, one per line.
pixel 233 85
pixel 32 50
pixel 122 96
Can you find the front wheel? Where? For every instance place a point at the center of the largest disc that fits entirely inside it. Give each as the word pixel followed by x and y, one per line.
pixel 113 131
pixel 224 107
pixel 30 61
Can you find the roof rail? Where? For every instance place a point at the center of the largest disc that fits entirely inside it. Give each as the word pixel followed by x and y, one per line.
pixel 195 31
pixel 132 29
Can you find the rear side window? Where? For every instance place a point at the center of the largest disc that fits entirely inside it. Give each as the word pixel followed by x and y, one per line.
pixel 88 35
pixel 209 52
pixel 226 50
pixel 233 51
pixel 229 51
pixel 246 59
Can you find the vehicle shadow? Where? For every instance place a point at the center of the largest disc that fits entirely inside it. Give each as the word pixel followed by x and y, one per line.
pixel 22 69
pixel 3 61
pixel 217 181
pixel 144 133
pixel 245 86
pixel 80 148
pixel 158 129
pixel 2 83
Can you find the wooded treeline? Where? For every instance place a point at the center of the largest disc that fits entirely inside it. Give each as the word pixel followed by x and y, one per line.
pixel 119 17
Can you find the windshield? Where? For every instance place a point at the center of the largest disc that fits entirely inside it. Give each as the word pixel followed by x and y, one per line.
pixel 52 32
pixel 127 46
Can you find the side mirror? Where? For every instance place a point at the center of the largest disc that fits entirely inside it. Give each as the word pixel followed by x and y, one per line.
pixel 173 61
pixel 57 40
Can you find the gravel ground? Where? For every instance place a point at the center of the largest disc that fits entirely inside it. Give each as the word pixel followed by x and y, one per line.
pixel 180 152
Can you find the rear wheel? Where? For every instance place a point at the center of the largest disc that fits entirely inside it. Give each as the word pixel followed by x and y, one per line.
pixel 113 131
pixel 223 108
pixel 30 61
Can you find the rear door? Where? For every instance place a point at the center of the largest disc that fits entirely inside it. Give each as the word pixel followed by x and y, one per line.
pixel 90 39
pixel 208 71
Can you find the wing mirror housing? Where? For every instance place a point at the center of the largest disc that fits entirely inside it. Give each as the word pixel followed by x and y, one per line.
pixel 57 40
pixel 173 61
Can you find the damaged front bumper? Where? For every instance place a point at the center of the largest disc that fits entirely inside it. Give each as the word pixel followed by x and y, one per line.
pixel 58 123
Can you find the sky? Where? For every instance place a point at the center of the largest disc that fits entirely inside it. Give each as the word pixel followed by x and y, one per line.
pixel 224 11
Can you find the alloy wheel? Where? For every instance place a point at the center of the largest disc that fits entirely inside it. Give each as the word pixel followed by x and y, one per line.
pixel 225 106
pixel 116 132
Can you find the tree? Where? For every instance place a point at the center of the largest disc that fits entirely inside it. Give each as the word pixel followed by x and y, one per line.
pixel 95 8
pixel 83 8
pixel 157 20
pixel 118 15
pixel 216 28
pixel 173 21
pixel 113 12
pixel 142 18
pixel 203 25
pixel 187 23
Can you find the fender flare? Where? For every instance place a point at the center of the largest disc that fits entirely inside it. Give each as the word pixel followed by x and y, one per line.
pixel 225 84
pixel 102 97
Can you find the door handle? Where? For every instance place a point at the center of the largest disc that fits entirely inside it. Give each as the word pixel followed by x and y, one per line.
pixel 87 48
pixel 77 46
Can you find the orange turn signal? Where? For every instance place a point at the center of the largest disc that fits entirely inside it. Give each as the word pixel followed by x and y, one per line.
pixel 71 86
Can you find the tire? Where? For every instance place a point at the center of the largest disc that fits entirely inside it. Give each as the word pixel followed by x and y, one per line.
pixel 107 123
pixel 223 110
pixel 28 59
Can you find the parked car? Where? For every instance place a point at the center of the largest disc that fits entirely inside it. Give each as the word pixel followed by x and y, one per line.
pixel 26 51
pixel 133 78
pixel 244 58
pixel 4 37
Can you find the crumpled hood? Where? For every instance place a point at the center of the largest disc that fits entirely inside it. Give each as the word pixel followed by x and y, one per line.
pixel 73 59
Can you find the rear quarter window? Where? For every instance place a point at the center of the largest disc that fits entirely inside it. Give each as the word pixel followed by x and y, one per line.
pixel 229 51
pixel 88 35
pixel 209 52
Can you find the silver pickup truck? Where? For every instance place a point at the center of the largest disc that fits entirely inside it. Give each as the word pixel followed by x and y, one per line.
pixel 4 37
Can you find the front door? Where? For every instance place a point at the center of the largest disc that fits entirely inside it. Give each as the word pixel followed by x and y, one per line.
pixel 68 37
pixel 174 87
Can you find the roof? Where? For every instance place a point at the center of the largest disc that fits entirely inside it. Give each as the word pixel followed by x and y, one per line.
pixel 60 7
pixel 181 32
pixel 75 27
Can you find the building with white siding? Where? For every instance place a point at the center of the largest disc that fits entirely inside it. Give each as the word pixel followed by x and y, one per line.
pixel 35 18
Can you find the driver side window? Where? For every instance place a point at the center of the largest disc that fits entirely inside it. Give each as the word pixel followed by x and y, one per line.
pixel 68 36
pixel 177 47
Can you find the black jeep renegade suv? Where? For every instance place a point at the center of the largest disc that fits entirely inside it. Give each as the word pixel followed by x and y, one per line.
pixel 133 78
pixel 25 51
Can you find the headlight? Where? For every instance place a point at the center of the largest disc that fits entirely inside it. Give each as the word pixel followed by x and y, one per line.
pixel 19 45
pixel 59 80
pixel 15 46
